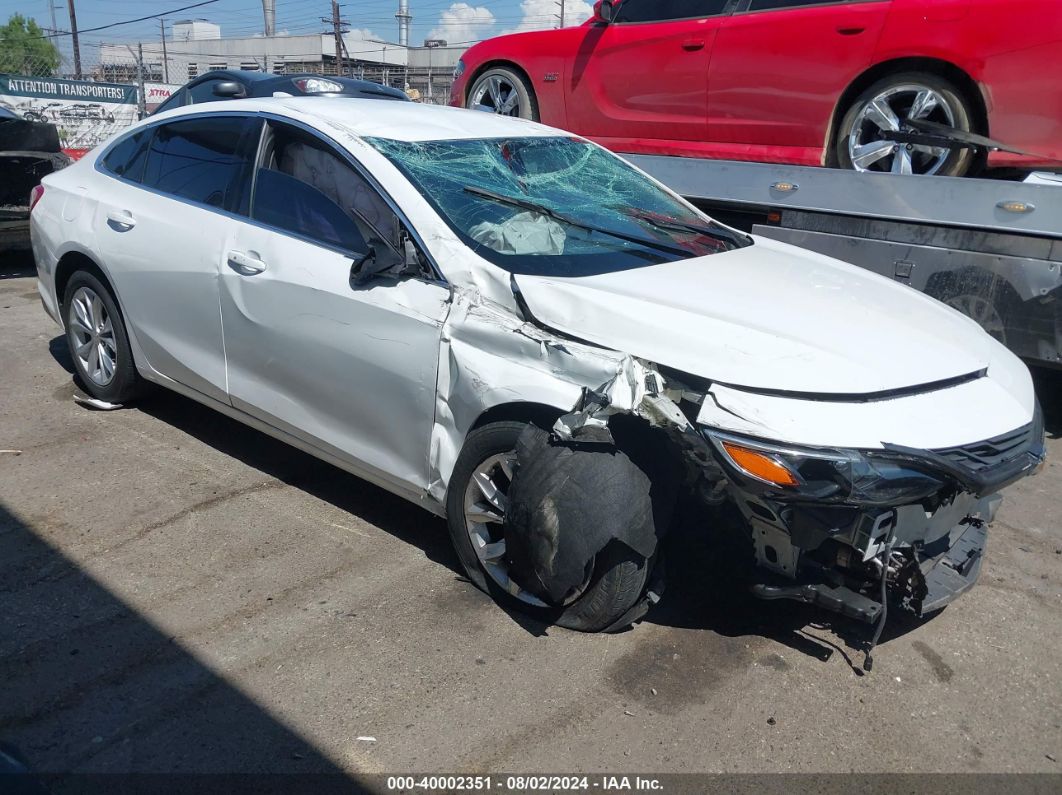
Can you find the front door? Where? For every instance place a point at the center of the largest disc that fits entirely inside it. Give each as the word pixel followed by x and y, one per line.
pixel 349 369
pixel 645 76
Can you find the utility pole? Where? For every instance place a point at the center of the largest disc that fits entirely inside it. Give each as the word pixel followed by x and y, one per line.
pixel 165 60
pixel 561 4
pixel 337 30
pixel 73 39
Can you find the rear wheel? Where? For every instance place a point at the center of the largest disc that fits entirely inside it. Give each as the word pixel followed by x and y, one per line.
pixel 889 106
pixel 99 345
pixel 504 91
pixel 476 508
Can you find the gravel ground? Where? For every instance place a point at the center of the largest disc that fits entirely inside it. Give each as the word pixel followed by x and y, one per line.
pixel 180 593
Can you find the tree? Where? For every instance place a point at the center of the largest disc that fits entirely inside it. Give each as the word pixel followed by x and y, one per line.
pixel 24 50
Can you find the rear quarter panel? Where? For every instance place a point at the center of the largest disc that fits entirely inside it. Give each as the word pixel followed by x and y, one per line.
pixel 1012 50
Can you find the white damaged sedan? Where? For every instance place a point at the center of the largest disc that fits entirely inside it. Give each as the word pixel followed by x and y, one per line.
pixel 530 337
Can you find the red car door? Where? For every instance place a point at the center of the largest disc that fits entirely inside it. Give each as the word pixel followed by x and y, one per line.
pixel 645 75
pixel 779 67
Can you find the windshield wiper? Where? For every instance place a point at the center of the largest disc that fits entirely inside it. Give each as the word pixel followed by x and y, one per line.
pixel 541 209
pixel 716 233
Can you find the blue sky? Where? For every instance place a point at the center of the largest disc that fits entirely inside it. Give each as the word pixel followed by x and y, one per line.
pixel 456 22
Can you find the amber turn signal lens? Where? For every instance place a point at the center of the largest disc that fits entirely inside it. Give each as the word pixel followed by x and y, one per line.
pixel 760 465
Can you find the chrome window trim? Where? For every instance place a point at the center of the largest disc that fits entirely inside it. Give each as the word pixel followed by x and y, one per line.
pixel 729 9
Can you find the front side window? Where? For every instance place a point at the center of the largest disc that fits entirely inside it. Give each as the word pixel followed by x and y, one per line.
pixel 306 188
pixel 127 158
pixel 204 160
pixel 556 206
pixel 662 10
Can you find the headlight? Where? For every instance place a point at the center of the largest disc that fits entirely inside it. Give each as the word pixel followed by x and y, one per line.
pixel 830 476
pixel 459 69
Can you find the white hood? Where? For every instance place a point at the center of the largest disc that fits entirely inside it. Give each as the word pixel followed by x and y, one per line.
pixel 768 316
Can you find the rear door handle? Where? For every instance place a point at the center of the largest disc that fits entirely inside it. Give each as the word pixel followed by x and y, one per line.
pixel 121 220
pixel 692 45
pixel 245 264
pixel 850 31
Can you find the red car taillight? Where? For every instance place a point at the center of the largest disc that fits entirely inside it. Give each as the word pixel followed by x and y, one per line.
pixel 35 196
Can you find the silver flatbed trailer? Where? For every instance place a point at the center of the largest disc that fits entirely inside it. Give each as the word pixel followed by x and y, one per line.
pixel 991 248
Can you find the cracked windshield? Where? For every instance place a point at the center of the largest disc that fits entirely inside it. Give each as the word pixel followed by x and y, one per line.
pixel 554 206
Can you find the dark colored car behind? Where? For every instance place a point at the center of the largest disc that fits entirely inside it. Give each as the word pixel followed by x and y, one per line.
pixel 236 84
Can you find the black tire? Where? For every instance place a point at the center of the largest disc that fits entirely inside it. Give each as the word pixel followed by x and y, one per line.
pixel 528 102
pixel 126 384
pixel 619 574
pixel 981 296
pixel 959 163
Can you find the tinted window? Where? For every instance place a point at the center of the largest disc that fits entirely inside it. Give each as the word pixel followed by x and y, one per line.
pixel 658 10
pixel 287 203
pixel 173 102
pixel 204 92
pixel 127 158
pixel 200 159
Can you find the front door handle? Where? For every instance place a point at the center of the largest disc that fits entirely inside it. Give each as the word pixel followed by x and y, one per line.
pixel 245 264
pixel 850 31
pixel 692 45
pixel 121 220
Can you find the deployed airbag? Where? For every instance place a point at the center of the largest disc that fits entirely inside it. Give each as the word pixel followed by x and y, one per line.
pixel 523 233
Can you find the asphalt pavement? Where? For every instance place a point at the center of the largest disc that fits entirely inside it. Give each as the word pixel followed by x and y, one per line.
pixel 181 593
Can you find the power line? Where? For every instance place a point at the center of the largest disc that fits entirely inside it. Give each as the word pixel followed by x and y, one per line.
pixel 123 22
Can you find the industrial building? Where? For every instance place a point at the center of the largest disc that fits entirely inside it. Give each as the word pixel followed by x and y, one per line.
pixel 195 46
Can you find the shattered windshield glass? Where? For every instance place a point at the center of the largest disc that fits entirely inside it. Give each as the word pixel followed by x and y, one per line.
pixel 554 206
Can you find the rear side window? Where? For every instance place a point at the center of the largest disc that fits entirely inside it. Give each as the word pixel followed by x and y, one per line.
pixel 662 10
pixel 126 159
pixel 771 5
pixel 204 160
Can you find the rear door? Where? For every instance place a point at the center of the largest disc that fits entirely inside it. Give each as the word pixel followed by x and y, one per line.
pixel 645 75
pixel 779 67
pixel 162 223
pixel 350 369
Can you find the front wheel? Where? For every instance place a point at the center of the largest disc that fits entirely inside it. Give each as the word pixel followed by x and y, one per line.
pixel 863 141
pixel 476 512
pixel 504 91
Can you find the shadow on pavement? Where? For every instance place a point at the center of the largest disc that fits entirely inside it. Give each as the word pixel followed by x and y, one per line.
pixel 91 686
pixel 16 264
pixel 1048 383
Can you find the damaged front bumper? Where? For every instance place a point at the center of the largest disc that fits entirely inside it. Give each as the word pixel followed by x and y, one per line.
pixel 841 547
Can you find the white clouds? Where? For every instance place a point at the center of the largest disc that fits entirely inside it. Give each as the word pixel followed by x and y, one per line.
pixel 463 23
pixel 543 14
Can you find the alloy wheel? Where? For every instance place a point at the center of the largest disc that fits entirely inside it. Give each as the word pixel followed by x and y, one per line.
pixel 94 344
pixel 486 504
pixel 495 94
pixel 892 111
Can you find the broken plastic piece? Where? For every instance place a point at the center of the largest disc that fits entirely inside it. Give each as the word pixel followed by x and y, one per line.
pixel 94 403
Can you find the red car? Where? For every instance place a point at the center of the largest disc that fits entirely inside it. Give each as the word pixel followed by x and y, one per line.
pixel 844 83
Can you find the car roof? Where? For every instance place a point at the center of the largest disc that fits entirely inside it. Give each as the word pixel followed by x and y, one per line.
pixel 400 121
pixel 261 81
